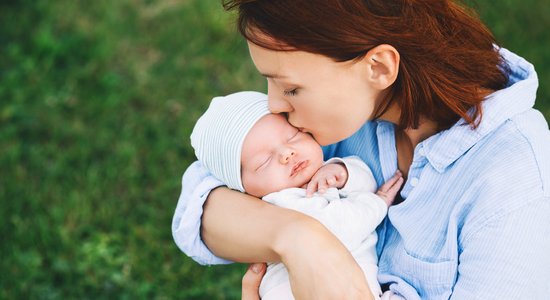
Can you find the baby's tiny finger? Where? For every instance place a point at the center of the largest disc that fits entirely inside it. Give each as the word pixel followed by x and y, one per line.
pixel 391 181
pixel 394 188
pixel 311 187
pixel 341 178
pixel 396 184
pixel 331 180
pixel 399 182
pixel 322 186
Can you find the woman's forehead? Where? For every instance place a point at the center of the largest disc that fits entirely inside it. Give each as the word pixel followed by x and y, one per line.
pixel 287 64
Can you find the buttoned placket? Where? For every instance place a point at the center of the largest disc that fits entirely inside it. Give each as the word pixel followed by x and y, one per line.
pixel 415 171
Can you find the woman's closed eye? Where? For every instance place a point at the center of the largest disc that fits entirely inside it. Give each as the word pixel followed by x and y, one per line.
pixel 295 134
pixel 292 92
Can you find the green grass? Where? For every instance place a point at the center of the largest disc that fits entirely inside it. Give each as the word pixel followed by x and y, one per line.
pixel 97 100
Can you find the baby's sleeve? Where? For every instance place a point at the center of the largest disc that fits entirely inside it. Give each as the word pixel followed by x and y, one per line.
pixel 197 182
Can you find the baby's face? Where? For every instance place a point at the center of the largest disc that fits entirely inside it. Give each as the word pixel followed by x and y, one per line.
pixel 276 156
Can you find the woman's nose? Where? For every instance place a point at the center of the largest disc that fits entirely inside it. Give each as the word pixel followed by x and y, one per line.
pixel 287 154
pixel 276 103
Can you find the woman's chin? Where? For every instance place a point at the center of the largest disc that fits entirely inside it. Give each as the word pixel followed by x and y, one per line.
pixel 324 140
pixel 328 140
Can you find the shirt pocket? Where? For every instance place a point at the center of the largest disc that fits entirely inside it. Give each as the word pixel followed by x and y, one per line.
pixel 432 279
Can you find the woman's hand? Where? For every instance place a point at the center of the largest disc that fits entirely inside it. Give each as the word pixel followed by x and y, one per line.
pixel 251 281
pixel 244 229
pixel 319 266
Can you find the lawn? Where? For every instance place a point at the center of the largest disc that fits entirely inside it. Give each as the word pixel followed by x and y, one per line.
pixel 97 101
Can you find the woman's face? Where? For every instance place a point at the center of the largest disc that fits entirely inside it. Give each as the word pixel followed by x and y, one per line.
pixel 328 99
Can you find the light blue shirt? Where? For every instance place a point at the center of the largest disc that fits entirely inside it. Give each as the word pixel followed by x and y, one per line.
pixel 475 222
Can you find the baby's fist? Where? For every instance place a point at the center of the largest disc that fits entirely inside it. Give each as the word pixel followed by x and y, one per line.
pixel 329 175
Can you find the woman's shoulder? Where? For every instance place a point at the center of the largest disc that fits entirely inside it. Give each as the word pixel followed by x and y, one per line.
pixel 517 152
pixel 507 171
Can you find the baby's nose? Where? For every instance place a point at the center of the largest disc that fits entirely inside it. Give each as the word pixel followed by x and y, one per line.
pixel 286 155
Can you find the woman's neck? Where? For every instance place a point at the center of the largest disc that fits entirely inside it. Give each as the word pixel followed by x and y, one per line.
pixel 407 139
pixel 426 128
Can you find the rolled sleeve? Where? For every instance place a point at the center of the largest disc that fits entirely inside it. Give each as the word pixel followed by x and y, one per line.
pixel 196 184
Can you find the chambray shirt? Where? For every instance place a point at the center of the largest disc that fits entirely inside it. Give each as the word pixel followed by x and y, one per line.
pixel 475 220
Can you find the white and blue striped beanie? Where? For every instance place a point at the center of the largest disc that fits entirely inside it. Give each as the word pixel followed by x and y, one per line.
pixel 219 134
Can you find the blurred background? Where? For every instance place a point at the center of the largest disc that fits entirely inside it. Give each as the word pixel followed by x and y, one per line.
pixel 97 101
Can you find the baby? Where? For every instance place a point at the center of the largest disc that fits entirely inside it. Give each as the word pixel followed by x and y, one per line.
pixel 254 151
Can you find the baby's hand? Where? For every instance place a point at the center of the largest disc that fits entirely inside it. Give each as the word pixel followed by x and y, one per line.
pixel 388 191
pixel 329 175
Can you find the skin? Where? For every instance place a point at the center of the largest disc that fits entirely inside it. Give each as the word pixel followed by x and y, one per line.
pixel 312 89
pixel 331 101
pixel 300 82
pixel 278 154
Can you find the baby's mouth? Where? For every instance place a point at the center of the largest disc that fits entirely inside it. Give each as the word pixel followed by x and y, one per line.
pixel 299 167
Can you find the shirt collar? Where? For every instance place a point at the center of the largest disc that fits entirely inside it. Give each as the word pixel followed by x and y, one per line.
pixel 444 148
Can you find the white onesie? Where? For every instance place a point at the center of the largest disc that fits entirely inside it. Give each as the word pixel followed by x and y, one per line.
pixel 351 214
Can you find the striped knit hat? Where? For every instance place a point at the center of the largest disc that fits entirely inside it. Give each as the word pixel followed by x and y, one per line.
pixel 219 134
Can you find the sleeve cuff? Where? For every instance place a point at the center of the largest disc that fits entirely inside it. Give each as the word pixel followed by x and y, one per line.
pixel 197 183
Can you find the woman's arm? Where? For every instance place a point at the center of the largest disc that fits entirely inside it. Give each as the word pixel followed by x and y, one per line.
pixel 245 229
pixel 196 184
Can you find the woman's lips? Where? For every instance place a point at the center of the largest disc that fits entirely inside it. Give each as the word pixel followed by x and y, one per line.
pixel 299 167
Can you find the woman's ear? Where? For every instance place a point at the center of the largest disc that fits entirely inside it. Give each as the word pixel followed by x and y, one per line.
pixel 382 66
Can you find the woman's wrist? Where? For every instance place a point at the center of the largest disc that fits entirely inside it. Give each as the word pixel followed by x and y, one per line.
pixel 302 235
pixel 310 252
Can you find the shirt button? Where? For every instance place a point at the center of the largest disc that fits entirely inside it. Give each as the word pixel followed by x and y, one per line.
pixel 414 181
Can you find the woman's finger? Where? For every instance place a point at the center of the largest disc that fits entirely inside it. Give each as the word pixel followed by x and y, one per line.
pixel 251 281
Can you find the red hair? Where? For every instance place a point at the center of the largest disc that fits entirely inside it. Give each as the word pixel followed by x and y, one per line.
pixel 448 57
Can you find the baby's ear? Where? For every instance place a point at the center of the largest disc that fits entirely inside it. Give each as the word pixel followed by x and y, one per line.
pixel 382 63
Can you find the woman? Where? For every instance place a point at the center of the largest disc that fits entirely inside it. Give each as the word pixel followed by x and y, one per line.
pixel 419 86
